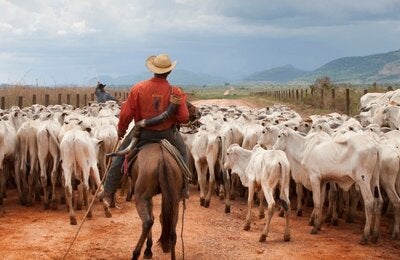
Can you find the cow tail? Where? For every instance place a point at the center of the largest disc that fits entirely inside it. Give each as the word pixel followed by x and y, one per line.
pixel 284 189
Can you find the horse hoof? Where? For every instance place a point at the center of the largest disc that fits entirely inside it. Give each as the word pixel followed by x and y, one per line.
pixel 246 227
pixel 72 220
pixel 262 215
pixel 314 231
pixel 202 201
pixel 286 238
pixel 299 213
pixel 207 204
pixel 263 238
pixel 227 209
pixel 147 254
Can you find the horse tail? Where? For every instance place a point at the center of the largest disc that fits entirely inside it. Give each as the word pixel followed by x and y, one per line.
pixel 169 202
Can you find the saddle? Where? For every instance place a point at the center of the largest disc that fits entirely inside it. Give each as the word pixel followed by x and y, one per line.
pixel 131 157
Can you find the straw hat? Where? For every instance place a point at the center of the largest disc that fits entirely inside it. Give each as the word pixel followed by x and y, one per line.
pixel 160 64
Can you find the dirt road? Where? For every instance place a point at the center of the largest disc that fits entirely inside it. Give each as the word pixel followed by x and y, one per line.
pixel 33 233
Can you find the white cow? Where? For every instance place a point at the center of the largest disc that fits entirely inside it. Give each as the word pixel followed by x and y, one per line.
pixel 347 159
pixel 79 161
pixel 265 168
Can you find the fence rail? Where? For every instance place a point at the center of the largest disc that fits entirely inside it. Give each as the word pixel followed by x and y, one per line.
pixel 344 100
pixel 27 96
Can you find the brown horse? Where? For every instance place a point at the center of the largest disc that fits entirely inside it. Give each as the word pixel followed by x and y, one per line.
pixel 156 171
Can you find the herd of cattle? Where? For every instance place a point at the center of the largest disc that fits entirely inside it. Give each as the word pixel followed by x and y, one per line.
pixel 265 150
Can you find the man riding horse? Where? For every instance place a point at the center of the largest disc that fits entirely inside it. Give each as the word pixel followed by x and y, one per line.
pixel 157 108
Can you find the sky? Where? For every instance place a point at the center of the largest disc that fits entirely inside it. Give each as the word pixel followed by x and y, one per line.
pixel 53 42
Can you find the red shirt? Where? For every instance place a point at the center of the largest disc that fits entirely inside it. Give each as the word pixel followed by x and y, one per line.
pixel 150 98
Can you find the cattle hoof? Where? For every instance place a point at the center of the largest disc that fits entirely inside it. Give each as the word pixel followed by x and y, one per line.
pixel 89 215
pixel 135 255
pixel 335 222
pixel 314 231
pixel 281 213
pixel 261 216
pixel 350 219
pixel 311 222
pixel 221 196
pixel 374 237
pixel 394 236
pixel 62 201
pixel 46 206
pixel 227 209
pixel 78 206
pixel 232 197
pixel 207 204
pixel 107 213
pixel 1 201
pixel 53 205
pixel 246 227
pixel 263 238
pixel 299 213
pixel 29 203
pixel 38 198
pixel 363 240
pixel 22 201
pixel 286 238
pixel 202 200
pixel 72 220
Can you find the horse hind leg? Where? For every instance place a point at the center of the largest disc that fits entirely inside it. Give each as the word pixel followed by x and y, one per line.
pixel 144 209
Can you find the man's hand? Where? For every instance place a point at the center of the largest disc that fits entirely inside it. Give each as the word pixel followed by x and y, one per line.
pixel 120 134
pixel 141 123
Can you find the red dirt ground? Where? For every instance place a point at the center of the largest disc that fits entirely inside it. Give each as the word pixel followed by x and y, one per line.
pixel 209 233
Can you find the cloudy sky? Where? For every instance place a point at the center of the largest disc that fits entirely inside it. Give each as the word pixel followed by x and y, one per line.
pixel 61 42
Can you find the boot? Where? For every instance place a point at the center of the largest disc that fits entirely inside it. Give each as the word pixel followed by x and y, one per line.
pixel 106 196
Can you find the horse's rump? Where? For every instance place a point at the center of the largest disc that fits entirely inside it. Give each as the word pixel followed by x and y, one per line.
pixel 156 171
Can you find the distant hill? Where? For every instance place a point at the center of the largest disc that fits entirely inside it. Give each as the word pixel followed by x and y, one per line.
pixel 280 74
pixel 178 77
pixel 383 68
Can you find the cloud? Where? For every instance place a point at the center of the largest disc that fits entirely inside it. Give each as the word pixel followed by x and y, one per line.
pixel 110 36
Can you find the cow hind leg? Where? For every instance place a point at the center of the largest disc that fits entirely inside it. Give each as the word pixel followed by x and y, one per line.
pixel 269 196
pixel 369 206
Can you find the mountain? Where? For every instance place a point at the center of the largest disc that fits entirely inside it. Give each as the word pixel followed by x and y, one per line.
pixel 383 68
pixel 280 74
pixel 177 77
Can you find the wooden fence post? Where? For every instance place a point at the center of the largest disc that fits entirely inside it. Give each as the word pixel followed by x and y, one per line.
pixel 312 92
pixel 59 99
pixel 347 101
pixel 46 100
pixel 3 103
pixel 68 99
pixel 297 94
pixel 301 94
pixel 20 101
pixel 322 98
pixel 77 100
pixel 85 100
pixel 333 97
pixel 33 99
pixel 92 97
